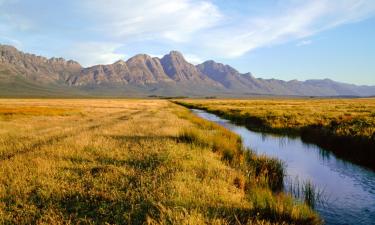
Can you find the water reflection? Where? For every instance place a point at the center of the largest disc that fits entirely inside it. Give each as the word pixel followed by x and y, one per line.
pixel 350 189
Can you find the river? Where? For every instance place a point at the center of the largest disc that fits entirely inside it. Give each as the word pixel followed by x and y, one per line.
pixel 348 189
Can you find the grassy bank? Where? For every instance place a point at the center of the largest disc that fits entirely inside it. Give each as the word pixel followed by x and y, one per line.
pixel 344 126
pixel 131 162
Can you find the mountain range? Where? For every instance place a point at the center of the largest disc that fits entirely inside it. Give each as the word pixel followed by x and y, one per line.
pixel 23 74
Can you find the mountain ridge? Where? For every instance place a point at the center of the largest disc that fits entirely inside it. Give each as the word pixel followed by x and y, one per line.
pixel 170 75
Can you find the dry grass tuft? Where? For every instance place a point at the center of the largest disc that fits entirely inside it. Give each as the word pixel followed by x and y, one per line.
pixel 128 162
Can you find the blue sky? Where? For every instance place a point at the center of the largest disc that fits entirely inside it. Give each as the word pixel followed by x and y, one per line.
pixel 282 39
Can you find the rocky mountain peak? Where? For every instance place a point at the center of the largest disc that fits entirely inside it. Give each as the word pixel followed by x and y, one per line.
pixel 7 48
pixel 57 60
pixel 176 67
pixel 72 62
pixel 217 67
pixel 171 74
pixel 37 68
pixel 176 54
pixel 139 58
pixel 174 57
pixel 120 62
pixel 9 54
pixel 250 75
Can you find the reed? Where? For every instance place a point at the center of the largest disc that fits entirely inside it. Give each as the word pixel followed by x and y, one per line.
pixel 306 191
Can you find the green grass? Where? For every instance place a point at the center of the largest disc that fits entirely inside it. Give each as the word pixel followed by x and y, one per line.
pixel 344 126
pixel 131 162
pixel 307 192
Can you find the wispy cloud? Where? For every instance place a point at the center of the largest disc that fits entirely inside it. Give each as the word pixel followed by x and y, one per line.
pixel 92 53
pixel 97 29
pixel 194 59
pixel 302 19
pixel 149 19
pixel 207 29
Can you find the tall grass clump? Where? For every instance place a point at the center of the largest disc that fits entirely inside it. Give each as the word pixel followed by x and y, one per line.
pixel 266 171
pixel 271 170
pixel 280 207
pixel 306 191
pixel 227 145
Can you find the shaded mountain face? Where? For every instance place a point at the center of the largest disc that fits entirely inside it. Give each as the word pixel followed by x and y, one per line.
pixel 179 70
pixel 36 68
pixel 142 74
pixel 230 78
pixel 143 70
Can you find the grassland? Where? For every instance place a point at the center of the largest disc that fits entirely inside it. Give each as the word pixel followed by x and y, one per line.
pixel 132 162
pixel 344 126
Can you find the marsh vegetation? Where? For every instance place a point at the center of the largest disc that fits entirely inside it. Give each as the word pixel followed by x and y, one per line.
pixel 132 162
pixel 337 189
pixel 344 126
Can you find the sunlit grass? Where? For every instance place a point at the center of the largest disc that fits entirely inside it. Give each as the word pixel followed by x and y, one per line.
pixel 130 162
pixel 34 111
pixel 354 116
pixel 345 126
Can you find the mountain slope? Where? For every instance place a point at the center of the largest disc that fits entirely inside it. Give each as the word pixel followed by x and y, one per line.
pixel 36 68
pixel 142 75
pixel 227 76
pixel 246 83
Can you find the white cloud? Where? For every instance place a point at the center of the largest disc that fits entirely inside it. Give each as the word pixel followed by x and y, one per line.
pixel 92 53
pixel 173 20
pixel 201 24
pixel 299 21
pixel 200 27
pixel 194 59
pixel 124 21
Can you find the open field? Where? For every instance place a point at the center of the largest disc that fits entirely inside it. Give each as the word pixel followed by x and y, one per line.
pixel 344 126
pixel 132 162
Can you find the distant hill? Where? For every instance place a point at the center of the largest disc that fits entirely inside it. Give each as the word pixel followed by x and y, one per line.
pixel 23 74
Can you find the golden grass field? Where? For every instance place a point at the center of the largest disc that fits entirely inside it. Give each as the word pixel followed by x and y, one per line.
pixel 131 162
pixel 345 126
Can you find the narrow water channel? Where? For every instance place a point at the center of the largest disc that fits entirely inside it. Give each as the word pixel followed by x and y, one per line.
pixel 348 189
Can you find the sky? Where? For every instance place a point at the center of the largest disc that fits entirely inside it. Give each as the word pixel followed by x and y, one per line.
pixel 281 39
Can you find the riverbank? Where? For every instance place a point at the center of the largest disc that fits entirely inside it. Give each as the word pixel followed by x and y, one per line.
pixel 132 162
pixel 342 192
pixel 343 126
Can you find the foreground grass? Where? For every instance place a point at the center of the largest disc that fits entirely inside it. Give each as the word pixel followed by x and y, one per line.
pixel 131 162
pixel 345 126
